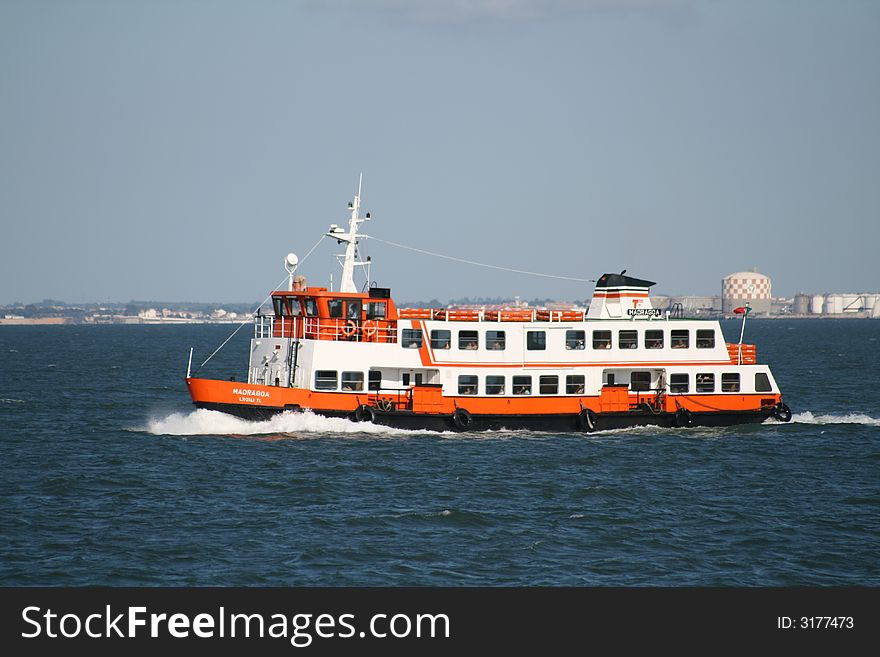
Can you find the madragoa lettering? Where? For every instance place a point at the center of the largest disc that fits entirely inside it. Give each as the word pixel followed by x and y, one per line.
pixel 300 629
pixel 643 312
pixel 246 392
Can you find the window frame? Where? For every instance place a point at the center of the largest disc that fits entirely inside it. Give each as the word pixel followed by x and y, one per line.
pixel 493 386
pixel 520 380
pixel 472 380
pixel 496 337
pixel 731 382
pixel 673 337
pixel 374 380
pixel 701 386
pixel 468 340
pixel 700 340
pixel 571 380
pixel 326 378
pixel 533 343
pixel 546 381
pixel 573 342
pixel 359 380
pixel 632 382
pixel 677 387
pixel 437 341
pixel 652 342
pixel 766 379
pixel 407 336
pixel 598 340
pixel 632 339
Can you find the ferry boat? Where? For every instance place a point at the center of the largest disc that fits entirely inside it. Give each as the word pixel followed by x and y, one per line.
pixel 621 363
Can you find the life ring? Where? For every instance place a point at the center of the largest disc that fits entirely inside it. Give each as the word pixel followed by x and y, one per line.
pixel 461 419
pixel 365 413
pixel 586 420
pixel 349 328
pixel 782 412
pixel 370 328
pixel 683 418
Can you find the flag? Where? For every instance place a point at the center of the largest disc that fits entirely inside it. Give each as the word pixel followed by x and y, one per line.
pixel 742 310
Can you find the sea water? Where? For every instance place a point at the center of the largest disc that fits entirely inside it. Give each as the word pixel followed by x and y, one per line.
pixel 110 477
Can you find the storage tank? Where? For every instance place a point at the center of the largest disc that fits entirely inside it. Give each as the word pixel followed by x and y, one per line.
pixel 744 287
pixel 801 304
pixel 852 303
pixel 816 304
pixel 833 304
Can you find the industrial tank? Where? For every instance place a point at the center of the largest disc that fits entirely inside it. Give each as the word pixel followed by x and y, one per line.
pixel 744 287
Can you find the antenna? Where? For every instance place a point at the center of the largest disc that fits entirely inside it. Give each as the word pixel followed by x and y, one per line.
pixel 350 237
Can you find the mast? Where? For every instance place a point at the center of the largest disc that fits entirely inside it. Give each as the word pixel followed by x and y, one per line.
pixel 348 259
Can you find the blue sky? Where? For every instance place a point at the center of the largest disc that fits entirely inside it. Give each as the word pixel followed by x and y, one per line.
pixel 177 150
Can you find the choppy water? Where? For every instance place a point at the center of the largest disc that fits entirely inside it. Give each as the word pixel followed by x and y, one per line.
pixel 109 477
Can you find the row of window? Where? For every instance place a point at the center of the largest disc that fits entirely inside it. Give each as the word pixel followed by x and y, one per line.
pixel 548 384
pixel 574 339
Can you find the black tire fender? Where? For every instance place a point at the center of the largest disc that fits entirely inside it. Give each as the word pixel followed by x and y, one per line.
pixel 782 412
pixel 365 413
pixel 586 420
pixel 683 418
pixel 462 419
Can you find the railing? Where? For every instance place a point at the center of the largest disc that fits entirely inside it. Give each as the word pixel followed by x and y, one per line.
pixel 509 315
pixel 321 328
pixel 387 399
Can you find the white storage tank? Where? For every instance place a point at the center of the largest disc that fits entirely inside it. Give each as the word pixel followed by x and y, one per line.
pixel 833 304
pixel 801 304
pixel 852 303
pixel 744 287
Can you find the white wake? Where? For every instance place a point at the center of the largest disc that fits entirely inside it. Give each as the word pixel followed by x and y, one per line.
pixel 203 422
pixel 850 418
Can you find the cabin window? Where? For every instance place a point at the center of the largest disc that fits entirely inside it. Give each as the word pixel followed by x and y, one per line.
pixel 680 338
pixel 467 384
pixel 762 382
pixel 411 338
pixel 640 381
pixel 495 340
pixel 730 382
pixel 678 383
pixel 376 310
pixel 404 379
pixel 574 339
pixel 653 339
pixel 601 339
pixel 418 378
pixel 353 310
pixel 325 380
pixel 468 340
pixel 575 384
pixel 375 381
pixel 706 382
pixel 352 381
pixel 628 339
pixel 311 307
pixel 522 385
pixel 335 307
pixel 705 339
pixel 280 307
pixel 441 339
pixel 536 340
pixel 548 384
pixel 494 385
pixel 609 379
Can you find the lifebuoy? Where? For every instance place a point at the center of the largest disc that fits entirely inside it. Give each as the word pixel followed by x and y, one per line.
pixel 349 328
pixel 365 413
pixel 586 420
pixel 683 418
pixel 461 419
pixel 370 327
pixel 782 412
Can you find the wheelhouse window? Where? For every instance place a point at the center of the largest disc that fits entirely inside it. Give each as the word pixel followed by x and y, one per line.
pixel 352 381
pixel 574 339
pixel 575 384
pixel 705 339
pixel 495 340
pixel 376 310
pixel 468 340
pixel 601 339
pixel 375 380
pixel 522 385
pixel 325 379
pixel 334 306
pixel 536 340
pixel 640 381
pixel 653 339
pixel 679 383
pixel 441 339
pixel 680 338
pixel 548 384
pixel 353 310
pixel 706 382
pixel 730 382
pixel 627 339
pixel 280 307
pixel 494 385
pixel 467 384
pixel 762 382
pixel 411 338
pixel 311 307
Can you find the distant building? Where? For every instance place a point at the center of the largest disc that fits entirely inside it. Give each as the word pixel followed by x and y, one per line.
pixel 746 287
